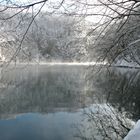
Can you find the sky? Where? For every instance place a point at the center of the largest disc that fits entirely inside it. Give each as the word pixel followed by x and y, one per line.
pixel 55 3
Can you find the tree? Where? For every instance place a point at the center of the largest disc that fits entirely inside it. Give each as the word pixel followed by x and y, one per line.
pixel 48 38
pixel 109 13
pixel 118 34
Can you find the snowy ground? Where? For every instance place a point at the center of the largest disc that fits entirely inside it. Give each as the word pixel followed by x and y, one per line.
pixel 134 134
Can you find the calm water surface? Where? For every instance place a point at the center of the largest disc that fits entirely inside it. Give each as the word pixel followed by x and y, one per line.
pixel 55 102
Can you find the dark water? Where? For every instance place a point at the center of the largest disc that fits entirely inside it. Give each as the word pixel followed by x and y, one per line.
pixel 63 103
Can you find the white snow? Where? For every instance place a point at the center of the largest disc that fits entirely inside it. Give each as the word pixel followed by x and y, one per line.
pixel 134 134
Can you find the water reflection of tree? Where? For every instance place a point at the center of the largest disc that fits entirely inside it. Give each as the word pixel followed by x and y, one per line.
pixel 120 90
pixel 44 91
pixel 102 122
pixel 123 92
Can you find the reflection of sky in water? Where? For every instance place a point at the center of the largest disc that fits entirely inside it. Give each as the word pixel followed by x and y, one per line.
pixel 51 126
pixel 33 126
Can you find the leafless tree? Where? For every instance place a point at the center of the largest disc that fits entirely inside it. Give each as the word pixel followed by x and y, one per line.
pixel 108 13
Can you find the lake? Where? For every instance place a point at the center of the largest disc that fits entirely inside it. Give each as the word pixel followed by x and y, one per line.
pixel 67 103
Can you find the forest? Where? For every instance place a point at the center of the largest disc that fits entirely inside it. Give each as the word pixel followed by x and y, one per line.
pixel 70 67
pixel 70 31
